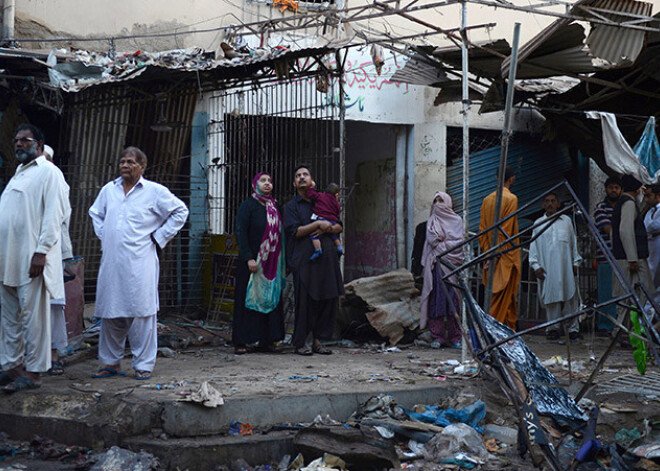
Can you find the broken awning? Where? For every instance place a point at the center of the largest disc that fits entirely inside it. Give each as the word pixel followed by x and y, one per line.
pixel 76 70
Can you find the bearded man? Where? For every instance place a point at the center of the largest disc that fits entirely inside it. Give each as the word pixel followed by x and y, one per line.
pixel 33 207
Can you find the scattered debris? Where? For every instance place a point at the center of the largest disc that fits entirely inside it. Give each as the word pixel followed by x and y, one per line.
pixel 471 415
pixel 360 449
pixel 118 459
pixel 455 444
pixel 206 395
pixel 327 462
pixel 236 428
pixel 392 302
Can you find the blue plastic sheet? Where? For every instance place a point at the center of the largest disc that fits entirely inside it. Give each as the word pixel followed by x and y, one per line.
pixel 471 415
pixel 647 149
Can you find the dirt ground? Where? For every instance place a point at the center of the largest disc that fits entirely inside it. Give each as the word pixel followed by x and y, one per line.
pixel 351 368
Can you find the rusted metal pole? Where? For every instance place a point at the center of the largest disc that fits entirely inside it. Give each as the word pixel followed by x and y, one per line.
pixel 506 133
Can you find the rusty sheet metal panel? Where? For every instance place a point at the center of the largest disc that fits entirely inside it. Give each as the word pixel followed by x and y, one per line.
pixel 615 44
pixel 102 122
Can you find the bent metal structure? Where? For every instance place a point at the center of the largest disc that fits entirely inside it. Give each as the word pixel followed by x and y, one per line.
pixel 503 354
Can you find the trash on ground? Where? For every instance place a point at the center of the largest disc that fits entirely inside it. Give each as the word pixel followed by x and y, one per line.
pixel 471 415
pixel 502 434
pixel 360 448
pixel 118 459
pixel 380 407
pixel 627 436
pixel 326 462
pixel 389 301
pixel 237 428
pixel 650 451
pixel 455 440
pixel 206 395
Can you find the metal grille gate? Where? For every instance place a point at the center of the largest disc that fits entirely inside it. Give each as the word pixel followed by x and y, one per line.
pixel 272 128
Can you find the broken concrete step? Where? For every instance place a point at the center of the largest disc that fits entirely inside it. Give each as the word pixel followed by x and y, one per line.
pixel 203 453
pixel 77 420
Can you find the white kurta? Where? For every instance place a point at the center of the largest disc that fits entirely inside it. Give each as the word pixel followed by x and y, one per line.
pixel 127 284
pixel 32 209
pixel 652 224
pixel 556 252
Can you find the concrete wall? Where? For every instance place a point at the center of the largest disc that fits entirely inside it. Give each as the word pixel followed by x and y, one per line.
pixel 371 216
pixel 430 145
pixel 84 18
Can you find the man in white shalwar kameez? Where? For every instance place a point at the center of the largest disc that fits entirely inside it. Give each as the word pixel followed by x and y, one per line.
pixel 652 225
pixel 132 217
pixel 554 258
pixel 32 209
pixel 58 335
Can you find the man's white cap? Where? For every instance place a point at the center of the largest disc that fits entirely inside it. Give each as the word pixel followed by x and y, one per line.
pixel 48 151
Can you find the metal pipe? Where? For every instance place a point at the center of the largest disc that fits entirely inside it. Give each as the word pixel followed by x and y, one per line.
pixel 496 224
pixel 8 19
pixel 616 269
pixel 466 159
pixel 506 132
pixel 494 251
pixel 342 138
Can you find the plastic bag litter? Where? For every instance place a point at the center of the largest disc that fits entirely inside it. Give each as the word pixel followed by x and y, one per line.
pixel 327 463
pixel 549 397
pixel 471 415
pixel 453 440
pixel 648 149
pixel 118 459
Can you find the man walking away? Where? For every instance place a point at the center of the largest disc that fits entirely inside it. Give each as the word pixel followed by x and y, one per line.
pixel 503 307
pixel 554 257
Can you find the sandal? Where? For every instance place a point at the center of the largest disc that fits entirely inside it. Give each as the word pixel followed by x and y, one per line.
pixel 20 384
pixel 6 379
pixel 107 373
pixel 321 350
pixel 56 368
pixel 269 348
pixel 240 350
pixel 142 375
pixel 436 344
pixel 303 351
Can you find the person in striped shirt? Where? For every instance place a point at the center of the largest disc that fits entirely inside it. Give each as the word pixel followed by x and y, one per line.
pixel 603 218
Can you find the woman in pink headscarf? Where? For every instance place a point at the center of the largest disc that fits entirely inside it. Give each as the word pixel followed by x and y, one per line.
pixel 444 230
pixel 260 270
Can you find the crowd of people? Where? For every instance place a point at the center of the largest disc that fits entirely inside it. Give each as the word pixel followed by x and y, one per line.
pixel 134 219
pixel 628 221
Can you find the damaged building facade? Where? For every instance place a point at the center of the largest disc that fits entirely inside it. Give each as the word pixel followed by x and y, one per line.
pixel 266 97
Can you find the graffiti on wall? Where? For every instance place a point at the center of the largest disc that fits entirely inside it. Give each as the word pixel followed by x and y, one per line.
pixel 360 82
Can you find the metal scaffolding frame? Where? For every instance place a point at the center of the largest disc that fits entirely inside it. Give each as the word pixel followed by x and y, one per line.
pixel 487 353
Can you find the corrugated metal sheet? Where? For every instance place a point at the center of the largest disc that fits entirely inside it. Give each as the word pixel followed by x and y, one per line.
pixel 418 72
pixel 538 167
pixel 618 45
pixel 101 122
pixel 556 49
